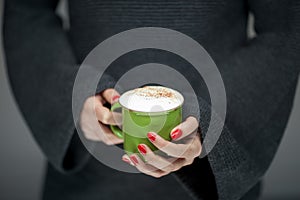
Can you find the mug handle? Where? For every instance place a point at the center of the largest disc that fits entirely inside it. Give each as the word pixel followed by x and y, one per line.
pixel 115 129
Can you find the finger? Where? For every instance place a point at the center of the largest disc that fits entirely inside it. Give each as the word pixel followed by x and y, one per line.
pixel 154 159
pixel 103 114
pixel 99 99
pixel 126 159
pixel 108 137
pixel 184 129
pixel 111 95
pixel 145 168
pixel 107 117
pixel 173 149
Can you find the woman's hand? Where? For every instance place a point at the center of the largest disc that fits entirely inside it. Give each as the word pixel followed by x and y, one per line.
pixel 95 116
pixel 180 154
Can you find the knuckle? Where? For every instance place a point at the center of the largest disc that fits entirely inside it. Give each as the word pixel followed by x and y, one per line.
pixel 105 118
pixel 106 141
pixel 90 137
pixel 159 175
pixel 198 152
pixel 110 143
pixel 176 168
pixel 88 101
pixel 84 130
pixel 196 149
pixel 87 136
pixel 165 173
pixel 192 119
pixel 156 175
pixel 189 161
pixel 171 168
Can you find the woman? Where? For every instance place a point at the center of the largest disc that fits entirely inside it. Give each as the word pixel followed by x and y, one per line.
pixel 259 74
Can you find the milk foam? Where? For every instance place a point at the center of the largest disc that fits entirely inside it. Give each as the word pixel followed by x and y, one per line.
pixel 151 99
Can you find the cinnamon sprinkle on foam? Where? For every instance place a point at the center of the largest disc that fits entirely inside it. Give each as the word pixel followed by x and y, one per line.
pixel 154 92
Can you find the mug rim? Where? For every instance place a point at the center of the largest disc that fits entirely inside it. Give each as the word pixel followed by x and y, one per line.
pixel 152 112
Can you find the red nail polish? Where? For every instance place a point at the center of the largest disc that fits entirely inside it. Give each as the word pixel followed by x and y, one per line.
pixel 151 136
pixel 115 97
pixel 176 134
pixel 126 160
pixel 142 149
pixel 134 159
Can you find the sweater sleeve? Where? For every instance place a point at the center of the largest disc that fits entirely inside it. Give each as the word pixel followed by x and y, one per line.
pixel 42 69
pixel 260 80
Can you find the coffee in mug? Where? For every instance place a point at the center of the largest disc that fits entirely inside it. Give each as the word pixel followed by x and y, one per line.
pixel 148 109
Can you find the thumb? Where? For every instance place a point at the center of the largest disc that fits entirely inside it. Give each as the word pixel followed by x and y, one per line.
pixel 111 95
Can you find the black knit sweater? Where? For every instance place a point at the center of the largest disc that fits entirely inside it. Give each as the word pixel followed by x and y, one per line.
pixel 259 74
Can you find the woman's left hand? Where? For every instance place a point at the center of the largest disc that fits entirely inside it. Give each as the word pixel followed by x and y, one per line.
pixel 180 154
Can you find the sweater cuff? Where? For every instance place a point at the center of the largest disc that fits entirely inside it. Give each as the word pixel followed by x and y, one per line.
pixel 198 178
pixel 77 155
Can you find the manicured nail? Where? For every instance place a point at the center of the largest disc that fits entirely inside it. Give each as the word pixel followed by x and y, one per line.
pixel 151 136
pixel 142 149
pixel 176 134
pixel 134 159
pixel 126 160
pixel 115 98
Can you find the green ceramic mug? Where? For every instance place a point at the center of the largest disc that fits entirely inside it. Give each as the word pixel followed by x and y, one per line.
pixel 159 111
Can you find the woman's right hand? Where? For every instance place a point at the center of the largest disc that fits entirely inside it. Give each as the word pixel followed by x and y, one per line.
pixel 95 117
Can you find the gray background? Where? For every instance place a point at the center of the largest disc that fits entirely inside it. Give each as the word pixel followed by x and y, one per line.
pixel 22 162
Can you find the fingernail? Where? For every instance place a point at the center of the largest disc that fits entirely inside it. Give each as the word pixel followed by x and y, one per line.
pixel 151 136
pixel 142 149
pixel 134 159
pixel 115 98
pixel 176 134
pixel 126 160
